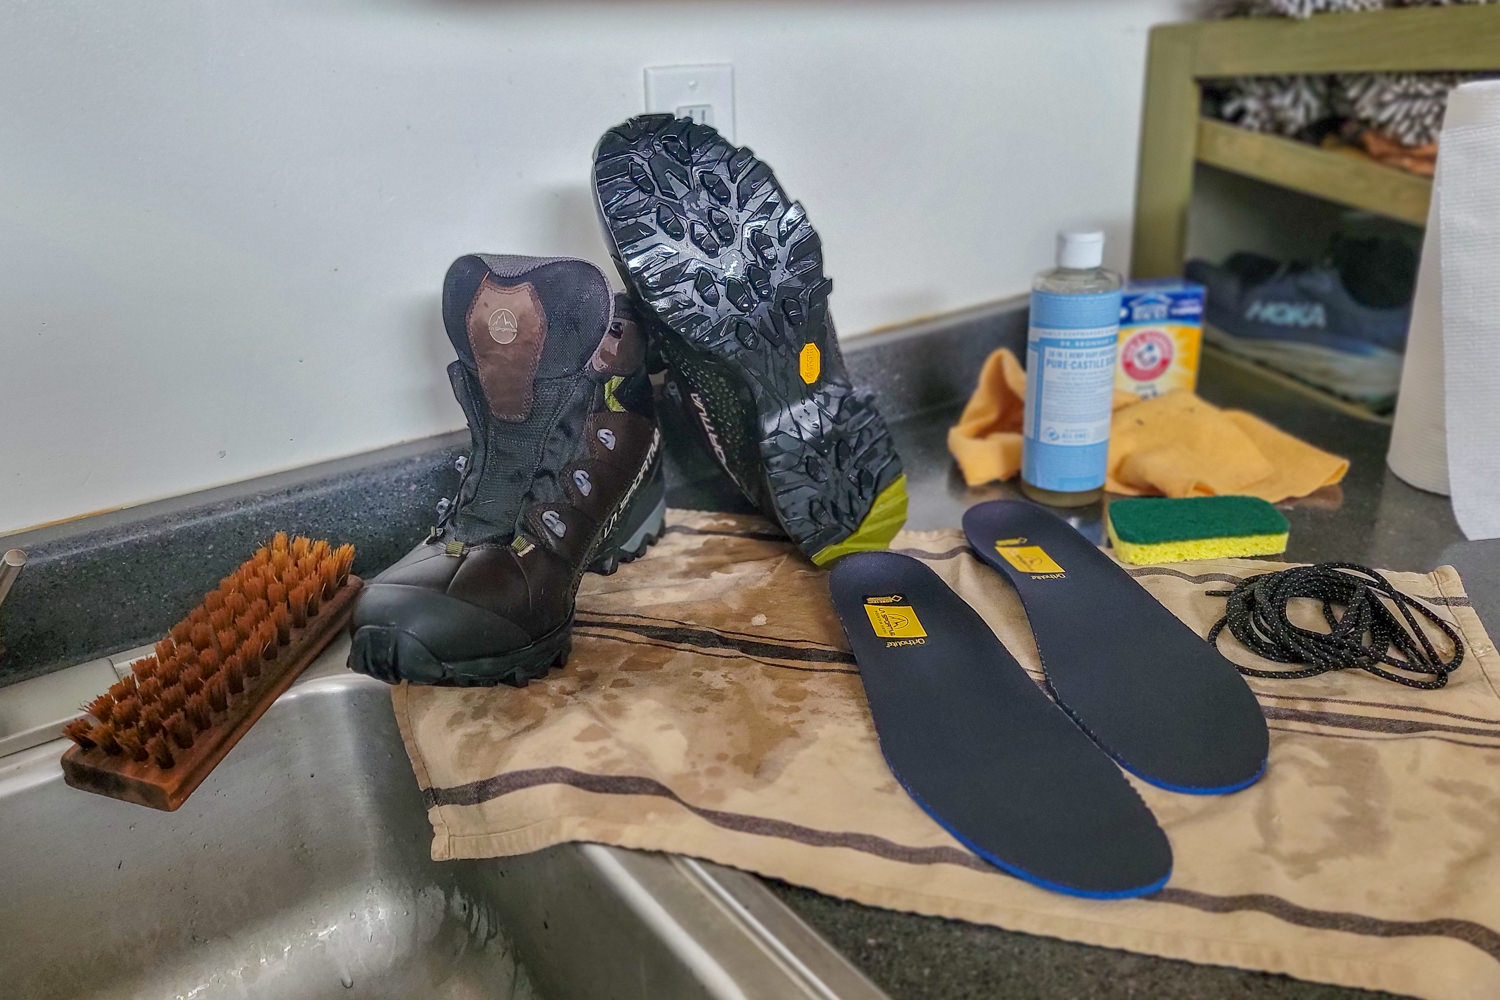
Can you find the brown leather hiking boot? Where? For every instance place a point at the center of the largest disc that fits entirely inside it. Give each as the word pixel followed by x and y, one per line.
pixel 564 475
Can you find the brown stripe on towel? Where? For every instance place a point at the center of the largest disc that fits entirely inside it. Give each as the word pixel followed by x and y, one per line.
pixel 810 643
pixel 1371 723
pixel 1377 704
pixel 474 793
pixel 606 637
pixel 706 638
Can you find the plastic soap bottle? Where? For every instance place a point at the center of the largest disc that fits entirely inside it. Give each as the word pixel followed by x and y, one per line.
pixel 1070 374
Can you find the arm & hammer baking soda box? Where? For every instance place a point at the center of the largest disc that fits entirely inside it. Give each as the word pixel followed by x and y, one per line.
pixel 1161 333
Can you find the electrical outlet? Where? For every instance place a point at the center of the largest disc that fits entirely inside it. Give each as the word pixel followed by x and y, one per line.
pixel 703 93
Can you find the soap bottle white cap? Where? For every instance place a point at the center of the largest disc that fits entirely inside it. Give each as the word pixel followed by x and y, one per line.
pixel 1080 250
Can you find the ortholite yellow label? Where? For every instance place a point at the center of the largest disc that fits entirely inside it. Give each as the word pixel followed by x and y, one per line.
pixel 892 620
pixel 1030 559
pixel 810 362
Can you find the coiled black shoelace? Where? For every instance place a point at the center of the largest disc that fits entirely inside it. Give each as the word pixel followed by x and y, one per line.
pixel 1256 615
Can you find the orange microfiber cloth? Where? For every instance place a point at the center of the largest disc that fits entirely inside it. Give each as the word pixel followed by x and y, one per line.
pixel 1175 444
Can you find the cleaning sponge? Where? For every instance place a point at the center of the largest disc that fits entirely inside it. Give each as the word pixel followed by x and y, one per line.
pixel 1161 529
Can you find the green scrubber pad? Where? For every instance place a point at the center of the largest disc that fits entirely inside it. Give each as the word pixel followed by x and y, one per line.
pixel 1161 529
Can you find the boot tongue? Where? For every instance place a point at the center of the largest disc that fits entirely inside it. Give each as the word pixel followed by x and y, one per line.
pixel 513 320
pixel 506 328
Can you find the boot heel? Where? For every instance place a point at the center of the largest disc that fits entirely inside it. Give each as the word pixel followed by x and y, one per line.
pixel 637 535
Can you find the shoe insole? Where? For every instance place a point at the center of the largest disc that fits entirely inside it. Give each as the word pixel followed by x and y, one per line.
pixel 978 745
pixel 1144 686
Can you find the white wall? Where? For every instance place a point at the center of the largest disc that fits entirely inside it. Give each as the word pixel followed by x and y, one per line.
pixel 223 225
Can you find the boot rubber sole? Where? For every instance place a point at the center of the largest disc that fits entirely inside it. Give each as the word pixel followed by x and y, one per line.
pixel 730 273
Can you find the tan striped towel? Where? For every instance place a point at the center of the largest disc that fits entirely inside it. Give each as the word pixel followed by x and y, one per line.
pixel 711 708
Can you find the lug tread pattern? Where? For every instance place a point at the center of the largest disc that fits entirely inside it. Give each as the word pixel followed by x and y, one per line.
pixel 732 270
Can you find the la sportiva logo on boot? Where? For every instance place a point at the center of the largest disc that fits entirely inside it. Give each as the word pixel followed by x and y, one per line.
pixel 503 326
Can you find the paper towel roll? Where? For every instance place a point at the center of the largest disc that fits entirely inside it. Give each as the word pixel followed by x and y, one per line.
pixel 1419 445
pixel 1453 356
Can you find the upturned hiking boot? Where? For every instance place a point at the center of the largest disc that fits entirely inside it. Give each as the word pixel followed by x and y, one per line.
pixel 728 275
pixel 564 475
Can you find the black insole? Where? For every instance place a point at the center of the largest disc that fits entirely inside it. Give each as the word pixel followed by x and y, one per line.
pixel 980 747
pixel 1147 688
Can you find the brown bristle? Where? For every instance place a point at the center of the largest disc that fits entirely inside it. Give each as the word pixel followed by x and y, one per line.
pixel 261 557
pixel 143 668
pixel 282 617
pixel 255 588
pixel 208 662
pixel 125 713
pixel 218 693
pixel 151 719
pixel 276 594
pixel 131 743
pixel 123 688
pixel 172 700
pixel 192 679
pixel 78 732
pixel 345 555
pixel 198 616
pixel 297 600
pixel 260 608
pixel 213 601
pixel 250 656
pixel 102 707
pixel 301 545
pixel 198 712
pixel 181 730
pixel 244 626
pixel 203 636
pixel 280 542
pixel 227 639
pixel 103 736
pixel 327 578
pixel 320 549
pixel 234 673
pixel 265 638
pixel 170 672
pixel 161 751
pixel 314 596
pixel 281 562
pixel 237 603
pixel 182 633
pixel 220 619
pixel 164 650
pixel 227 584
pixel 148 690
pixel 291 578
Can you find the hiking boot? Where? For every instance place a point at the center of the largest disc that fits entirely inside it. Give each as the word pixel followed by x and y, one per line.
pixel 564 475
pixel 728 275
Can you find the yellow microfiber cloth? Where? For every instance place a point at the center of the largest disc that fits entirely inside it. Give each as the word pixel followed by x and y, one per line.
pixel 1175 444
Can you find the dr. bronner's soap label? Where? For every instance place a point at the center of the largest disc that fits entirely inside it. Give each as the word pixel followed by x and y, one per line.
pixel 1070 374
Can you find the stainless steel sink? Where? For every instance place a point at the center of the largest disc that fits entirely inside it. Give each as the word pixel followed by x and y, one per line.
pixel 300 869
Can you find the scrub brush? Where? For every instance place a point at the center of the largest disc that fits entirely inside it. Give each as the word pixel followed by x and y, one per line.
pixel 1150 530
pixel 153 737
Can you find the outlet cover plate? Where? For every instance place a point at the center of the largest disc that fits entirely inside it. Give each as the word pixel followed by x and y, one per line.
pixel 704 93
